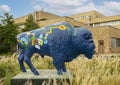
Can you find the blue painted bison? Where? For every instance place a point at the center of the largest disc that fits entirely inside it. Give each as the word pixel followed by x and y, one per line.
pixel 60 41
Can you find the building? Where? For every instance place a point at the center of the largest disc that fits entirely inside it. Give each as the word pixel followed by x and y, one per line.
pixel 105 29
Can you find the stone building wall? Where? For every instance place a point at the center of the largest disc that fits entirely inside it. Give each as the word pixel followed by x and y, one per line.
pixel 101 33
pixel 106 33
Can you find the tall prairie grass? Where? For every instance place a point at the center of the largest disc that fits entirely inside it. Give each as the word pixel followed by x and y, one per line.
pixel 101 70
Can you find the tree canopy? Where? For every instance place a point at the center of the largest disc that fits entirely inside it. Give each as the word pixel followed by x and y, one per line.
pixel 30 24
pixel 8 32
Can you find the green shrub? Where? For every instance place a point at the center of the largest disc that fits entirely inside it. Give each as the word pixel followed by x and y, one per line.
pixel 2 70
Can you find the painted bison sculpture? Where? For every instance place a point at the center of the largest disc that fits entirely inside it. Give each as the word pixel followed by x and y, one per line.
pixel 60 41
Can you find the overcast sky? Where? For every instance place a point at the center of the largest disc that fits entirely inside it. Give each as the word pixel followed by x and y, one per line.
pixel 60 7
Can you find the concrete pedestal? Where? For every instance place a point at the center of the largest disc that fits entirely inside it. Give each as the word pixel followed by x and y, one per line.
pixel 46 77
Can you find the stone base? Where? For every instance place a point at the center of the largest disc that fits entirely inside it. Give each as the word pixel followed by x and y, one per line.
pixel 48 77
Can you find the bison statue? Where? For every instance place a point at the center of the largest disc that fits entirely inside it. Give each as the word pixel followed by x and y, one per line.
pixel 60 41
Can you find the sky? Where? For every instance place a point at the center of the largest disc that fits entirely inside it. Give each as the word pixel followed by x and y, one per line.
pixel 19 8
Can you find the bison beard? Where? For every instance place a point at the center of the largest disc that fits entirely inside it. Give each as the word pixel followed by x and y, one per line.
pixel 60 41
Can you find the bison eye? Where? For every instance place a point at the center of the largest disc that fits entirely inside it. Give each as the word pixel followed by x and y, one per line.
pixel 91 41
pixel 87 36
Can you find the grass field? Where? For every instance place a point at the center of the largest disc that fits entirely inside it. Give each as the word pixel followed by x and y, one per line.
pixel 97 71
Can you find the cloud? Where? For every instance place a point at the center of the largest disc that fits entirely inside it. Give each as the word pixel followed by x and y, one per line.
pixel 62 8
pixel 4 8
pixel 110 8
pixel 69 7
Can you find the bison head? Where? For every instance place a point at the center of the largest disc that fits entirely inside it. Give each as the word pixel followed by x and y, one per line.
pixel 84 42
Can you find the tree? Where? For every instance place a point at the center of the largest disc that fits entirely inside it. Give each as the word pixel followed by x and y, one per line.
pixel 8 32
pixel 30 24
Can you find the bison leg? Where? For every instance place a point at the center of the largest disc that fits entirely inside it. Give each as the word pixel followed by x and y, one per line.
pixel 20 59
pixel 64 68
pixel 58 62
pixel 58 66
pixel 27 60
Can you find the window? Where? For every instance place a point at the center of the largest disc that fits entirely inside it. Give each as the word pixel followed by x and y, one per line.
pixel 101 42
pixel 107 23
pixel 82 17
pixel 76 26
pixel 115 42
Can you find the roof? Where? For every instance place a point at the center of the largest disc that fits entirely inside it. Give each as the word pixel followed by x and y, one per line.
pixel 92 13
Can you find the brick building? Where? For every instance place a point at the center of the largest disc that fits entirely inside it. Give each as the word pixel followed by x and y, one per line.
pixel 105 29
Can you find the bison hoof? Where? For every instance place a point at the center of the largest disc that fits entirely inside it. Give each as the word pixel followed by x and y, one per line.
pixel 60 72
pixel 64 70
pixel 36 72
pixel 23 70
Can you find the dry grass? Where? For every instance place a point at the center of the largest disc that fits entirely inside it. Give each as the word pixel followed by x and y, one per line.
pixel 97 71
